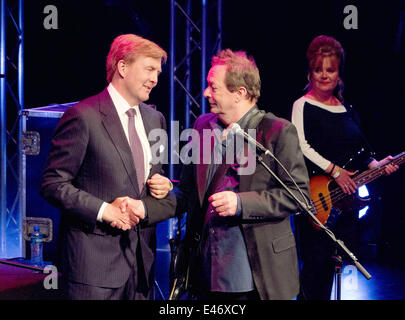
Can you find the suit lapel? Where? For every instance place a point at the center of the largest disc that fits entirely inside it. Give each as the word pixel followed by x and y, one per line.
pixel 149 123
pixel 143 108
pixel 203 167
pixel 245 180
pixel 113 126
pixel 250 122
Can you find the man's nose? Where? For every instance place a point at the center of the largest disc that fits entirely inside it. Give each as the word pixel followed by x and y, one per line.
pixel 206 93
pixel 154 77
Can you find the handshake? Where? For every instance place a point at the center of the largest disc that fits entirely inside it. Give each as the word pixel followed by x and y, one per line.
pixel 124 212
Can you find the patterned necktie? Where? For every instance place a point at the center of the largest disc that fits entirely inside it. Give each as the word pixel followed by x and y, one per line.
pixel 136 149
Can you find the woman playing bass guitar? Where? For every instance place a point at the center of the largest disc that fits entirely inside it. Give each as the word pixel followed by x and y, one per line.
pixel 329 135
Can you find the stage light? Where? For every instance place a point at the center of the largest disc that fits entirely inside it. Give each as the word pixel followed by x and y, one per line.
pixel 363 192
pixel 363 212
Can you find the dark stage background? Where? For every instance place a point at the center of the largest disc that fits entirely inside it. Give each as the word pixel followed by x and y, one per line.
pixel 68 64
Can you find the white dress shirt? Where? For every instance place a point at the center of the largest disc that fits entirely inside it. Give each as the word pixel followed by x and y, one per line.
pixel 122 106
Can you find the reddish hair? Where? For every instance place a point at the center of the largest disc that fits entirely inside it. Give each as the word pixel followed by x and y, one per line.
pixel 241 71
pixel 128 47
pixel 325 46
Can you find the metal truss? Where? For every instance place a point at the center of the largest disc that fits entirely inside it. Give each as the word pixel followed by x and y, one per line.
pixel 196 35
pixel 11 105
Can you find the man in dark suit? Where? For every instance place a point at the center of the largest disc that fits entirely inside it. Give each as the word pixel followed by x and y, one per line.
pixel 238 223
pixel 100 156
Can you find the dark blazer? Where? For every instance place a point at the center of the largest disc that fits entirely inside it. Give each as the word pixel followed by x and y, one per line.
pixel 266 206
pixel 90 162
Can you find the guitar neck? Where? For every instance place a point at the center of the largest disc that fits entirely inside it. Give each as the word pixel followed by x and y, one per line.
pixel 372 174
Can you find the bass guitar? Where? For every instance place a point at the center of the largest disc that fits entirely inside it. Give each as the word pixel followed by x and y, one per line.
pixel 327 195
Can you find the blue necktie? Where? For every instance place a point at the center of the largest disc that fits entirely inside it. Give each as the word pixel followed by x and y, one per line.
pixel 136 149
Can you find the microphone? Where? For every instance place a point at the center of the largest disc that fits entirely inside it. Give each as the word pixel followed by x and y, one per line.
pixel 236 129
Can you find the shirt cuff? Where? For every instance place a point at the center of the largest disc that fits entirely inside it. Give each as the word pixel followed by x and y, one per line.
pixel 100 212
pixel 239 207
pixel 145 220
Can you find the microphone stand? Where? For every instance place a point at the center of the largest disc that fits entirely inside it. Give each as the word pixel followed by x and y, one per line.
pixel 305 207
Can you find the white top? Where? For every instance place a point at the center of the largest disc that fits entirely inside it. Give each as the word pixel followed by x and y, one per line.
pixel 122 106
pixel 297 118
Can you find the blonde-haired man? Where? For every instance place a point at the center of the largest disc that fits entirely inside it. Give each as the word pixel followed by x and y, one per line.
pixel 100 155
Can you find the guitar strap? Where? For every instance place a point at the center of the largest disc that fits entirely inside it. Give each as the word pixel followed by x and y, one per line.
pixel 254 120
pixel 353 114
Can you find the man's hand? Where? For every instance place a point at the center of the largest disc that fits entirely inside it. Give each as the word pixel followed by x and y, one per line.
pixel 159 186
pixel 117 217
pixel 134 208
pixel 225 203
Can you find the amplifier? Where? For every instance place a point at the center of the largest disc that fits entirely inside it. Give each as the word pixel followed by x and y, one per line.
pixel 38 125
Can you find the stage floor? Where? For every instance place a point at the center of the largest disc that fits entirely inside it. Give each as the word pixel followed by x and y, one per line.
pixel 387 282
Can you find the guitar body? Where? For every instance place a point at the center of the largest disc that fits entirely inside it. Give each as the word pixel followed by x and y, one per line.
pixel 320 197
pixel 325 195
pixel 328 199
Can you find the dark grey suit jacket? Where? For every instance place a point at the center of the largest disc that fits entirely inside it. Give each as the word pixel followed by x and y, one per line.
pixel 90 162
pixel 266 206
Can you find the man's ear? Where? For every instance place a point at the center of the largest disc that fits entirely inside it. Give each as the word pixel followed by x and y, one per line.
pixel 241 93
pixel 122 68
